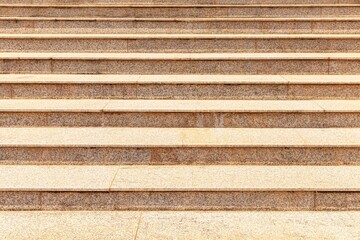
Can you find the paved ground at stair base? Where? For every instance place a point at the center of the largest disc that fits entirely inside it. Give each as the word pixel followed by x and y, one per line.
pixel 179 225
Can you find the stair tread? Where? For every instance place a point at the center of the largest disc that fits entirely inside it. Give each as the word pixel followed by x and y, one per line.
pixel 102 105
pixel 179 178
pixel 180 137
pixel 177 79
pixel 179 56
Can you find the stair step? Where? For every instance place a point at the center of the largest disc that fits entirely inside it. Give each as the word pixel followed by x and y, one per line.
pixel 161 146
pixel 179 25
pixel 180 86
pixel 178 187
pixel 181 63
pixel 134 114
pixel 180 113
pixel 179 178
pixel 184 11
pixel 170 43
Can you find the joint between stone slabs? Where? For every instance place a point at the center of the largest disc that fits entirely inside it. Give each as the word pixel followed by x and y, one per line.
pixel 112 181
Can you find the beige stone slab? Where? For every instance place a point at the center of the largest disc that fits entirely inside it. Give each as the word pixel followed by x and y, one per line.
pixel 237 178
pixel 63 105
pixel 68 225
pixel 180 36
pixel 56 178
pixel 180 2
pixel 249 225
pixel 177 137
pixel 143 79
pixel 179 225
pixel 210 106
pixel 226 19
pixel 51 105
pixel 179 56
pixel 69 78
pixel 322 79
pixel 179 178
pixel 212 79
pixel 339 105
pixel 178 79
pixel 344 137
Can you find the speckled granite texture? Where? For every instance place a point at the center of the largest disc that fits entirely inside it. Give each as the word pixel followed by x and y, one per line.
pixel 179 119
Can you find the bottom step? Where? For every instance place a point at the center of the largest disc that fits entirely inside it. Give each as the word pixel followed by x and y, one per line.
pixel 179 225
pixel 280 188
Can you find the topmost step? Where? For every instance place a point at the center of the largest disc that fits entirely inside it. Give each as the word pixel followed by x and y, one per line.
pixel 169 2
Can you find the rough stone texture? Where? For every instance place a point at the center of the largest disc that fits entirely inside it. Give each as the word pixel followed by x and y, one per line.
pixel 324 91
pixel 181 120
pixel 241 66
pixel 179 43
pixel 207 26
pixel 181 11
pixel 13 201
pixel 180 91
pixel 111 201
pixel 180 156
pixel 256 162
pixel 75 156
pixel 343 201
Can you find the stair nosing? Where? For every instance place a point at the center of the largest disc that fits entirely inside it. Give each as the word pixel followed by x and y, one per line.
pixel 180 36
pixel 178 56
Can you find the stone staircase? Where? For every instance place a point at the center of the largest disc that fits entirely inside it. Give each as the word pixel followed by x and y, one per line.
pixel 179 119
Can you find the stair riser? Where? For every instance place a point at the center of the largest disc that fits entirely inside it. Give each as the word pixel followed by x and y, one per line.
pixel 180 156
pixel 180 45
pixel 223 67
pixel 186 12
pixel 111 201
pixel 179 91
pixel 240 2
pixel 210 27
pixel 182 120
